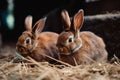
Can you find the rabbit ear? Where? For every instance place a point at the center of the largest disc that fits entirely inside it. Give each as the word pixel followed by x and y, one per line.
pixel 39 25
pixel 28 22
pixel 66 20
pixel 78 20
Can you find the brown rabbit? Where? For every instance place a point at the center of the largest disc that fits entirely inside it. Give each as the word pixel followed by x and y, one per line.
pixel 35 44
pixel 77 47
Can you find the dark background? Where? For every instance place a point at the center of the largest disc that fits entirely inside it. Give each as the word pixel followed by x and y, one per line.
pixel 36 8
pixel 40 8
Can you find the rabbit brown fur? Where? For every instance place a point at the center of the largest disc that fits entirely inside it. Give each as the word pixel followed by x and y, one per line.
pixel 35 43
pixel 77 47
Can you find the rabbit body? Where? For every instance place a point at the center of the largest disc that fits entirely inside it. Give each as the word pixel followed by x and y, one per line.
pixel 92 49
pixel 37 44
pixel 77 47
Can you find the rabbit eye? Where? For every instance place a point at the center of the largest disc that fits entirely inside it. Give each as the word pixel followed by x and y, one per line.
pixel 70 39
pixel 28 40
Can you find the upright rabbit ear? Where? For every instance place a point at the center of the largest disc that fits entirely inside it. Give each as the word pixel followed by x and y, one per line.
pixel 78 20
pixel 39 25
pixel 28 23
pixel 66 20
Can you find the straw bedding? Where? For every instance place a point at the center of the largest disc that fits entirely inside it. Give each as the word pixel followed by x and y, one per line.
pixel 9 70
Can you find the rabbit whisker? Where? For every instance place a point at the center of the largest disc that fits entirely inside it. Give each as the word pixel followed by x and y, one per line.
pixel 76 48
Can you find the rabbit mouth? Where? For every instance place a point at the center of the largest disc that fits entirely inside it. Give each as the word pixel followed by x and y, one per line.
pixel 25 51
pixel 68 51
pixel 22 50
pixel 64 50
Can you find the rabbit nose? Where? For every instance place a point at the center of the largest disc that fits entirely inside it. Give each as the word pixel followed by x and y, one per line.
pixel 20 48
pixel 61 49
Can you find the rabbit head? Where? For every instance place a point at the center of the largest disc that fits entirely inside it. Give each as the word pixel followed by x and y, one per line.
pixel 69 40
pixel 28 40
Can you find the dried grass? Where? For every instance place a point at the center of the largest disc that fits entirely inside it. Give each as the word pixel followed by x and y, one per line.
pixel 45 71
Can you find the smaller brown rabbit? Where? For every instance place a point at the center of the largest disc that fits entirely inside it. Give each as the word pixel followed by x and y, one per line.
pixel 77 47
pixel 35 43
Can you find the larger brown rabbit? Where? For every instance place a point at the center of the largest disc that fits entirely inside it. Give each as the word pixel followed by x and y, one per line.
pixel 35 43
pixel 77 47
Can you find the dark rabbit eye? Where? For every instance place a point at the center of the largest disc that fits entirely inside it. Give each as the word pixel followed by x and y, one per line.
pixel 28 40
pixel 70 40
